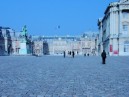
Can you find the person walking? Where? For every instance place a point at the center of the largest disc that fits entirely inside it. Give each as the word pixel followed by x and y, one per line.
pixel 64 54
pixel 70 53
pixel 103 55
pixel 73 54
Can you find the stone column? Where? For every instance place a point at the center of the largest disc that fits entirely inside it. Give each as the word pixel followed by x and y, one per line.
pixel 120 30
pixel 111 22
pixel 53 49
pixel 120 21
pixel 114 22
pixel 6 45
pixel 101 35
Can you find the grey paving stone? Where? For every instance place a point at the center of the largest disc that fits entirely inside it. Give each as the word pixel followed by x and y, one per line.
pixel 40 96
pixel 54 76
pixel 3 96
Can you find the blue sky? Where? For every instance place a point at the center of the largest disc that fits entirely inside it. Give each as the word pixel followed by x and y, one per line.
pixel 52 17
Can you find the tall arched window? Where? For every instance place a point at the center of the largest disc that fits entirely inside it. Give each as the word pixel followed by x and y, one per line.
pixel 126 46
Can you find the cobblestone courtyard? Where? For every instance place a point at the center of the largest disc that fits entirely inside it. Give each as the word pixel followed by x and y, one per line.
pixel 49 76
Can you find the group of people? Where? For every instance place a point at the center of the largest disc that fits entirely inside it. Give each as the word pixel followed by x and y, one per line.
pixel 70 53
pixel 103 55
pixel 86 54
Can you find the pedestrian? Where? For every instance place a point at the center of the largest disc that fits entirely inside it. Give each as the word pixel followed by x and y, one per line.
pixel 70 53
pixel 103 55
pixel 73 54
pixel 88 54
pixel 64 54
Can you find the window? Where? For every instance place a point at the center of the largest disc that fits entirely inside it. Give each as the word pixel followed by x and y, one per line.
pixel 126 46
pixel 125 28
pixel 125 15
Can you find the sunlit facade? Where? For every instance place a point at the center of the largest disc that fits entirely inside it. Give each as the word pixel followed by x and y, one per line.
pixel 56 45
pixel 114 29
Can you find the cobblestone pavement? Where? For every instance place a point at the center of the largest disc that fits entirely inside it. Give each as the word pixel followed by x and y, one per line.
pixel 49 76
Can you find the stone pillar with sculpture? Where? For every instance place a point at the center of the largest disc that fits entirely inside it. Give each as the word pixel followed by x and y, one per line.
pixel 23 42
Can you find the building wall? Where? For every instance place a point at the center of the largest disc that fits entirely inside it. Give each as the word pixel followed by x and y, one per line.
pixel 2 44
pixel 38 48
pixel 115 28
pixel 12 42
pixel 6 40
pixel 56 46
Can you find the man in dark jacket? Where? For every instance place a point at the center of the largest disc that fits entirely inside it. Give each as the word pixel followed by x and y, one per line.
pixel 73 54
pixel 64 54
pixel 103 55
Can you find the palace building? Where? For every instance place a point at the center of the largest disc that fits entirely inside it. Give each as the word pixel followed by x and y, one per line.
pixel 20 43
pixel 114 29
pixel 56 45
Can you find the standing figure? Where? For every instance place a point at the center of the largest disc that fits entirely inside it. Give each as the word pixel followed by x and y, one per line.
pixel 73 54
pixel 103 55
pixel 64 54
pixel 70 53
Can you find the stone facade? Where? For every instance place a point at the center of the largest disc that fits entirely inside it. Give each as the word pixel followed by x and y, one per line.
pixel 5 41
pixel 38 47
pixel 57 45
pixel 2 43
pixel 16 43
pixel 10 42
pixel 114 29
